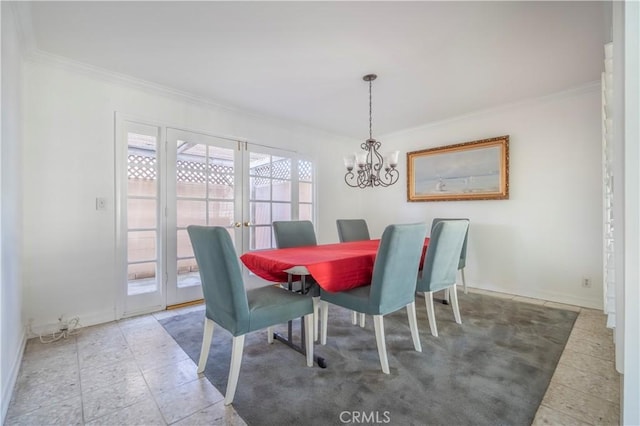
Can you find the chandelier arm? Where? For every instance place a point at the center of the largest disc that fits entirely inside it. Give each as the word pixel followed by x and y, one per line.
pixel 391 176
pixel 350 176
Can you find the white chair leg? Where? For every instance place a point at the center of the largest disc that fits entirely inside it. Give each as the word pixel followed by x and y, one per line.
pixel 309 321
pixel 316 314
pixel 234 370
pixel 362 320
pixel 324 310
pixel 446 296
pixel 413 325
pixel 454 304
pixel 464 282
pixel 354 317
pixel 206 343
pixel 270 335
pixel 378 325
pixel 428 298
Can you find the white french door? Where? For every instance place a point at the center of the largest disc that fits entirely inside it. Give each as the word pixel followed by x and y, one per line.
pixel 170 179
pixel 204 187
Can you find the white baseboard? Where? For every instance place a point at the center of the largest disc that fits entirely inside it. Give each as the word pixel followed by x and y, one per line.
pixel 543 295
pixel 7 391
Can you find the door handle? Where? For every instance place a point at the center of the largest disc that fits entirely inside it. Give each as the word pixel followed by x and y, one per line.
pixel 247 224
pixel 237 224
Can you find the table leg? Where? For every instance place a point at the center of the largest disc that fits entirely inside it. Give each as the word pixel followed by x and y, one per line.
pixel 289 339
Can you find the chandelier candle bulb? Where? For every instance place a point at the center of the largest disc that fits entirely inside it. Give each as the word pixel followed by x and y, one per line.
pixel 361 159
pixel 349 161
pixel 392 158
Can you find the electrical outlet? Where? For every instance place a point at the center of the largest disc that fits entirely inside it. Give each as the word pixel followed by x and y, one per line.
pixel 586 282
pixel 101 203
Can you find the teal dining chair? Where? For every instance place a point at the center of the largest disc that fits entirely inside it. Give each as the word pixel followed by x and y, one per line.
pixel 463 254
pixel 299 233
pixel 235 309
pixel 353 230
pixel 441 265
pixel 392 287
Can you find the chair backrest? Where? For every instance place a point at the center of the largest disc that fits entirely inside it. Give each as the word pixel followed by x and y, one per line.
pixel 395 270
pixel 443 254
pixel 294 233
pixel 224 292
pixel 352 230
pixel 463 253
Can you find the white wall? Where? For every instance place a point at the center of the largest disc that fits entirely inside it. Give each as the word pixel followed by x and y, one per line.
pixel 547 236
pixel 11 324
pixel 69 161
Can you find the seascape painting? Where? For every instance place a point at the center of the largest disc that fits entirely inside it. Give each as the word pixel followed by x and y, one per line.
pixel 467 171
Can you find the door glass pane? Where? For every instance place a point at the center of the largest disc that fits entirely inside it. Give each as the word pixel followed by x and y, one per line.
pixel 141 278
pixel 260 237
pixel 281 190
pixel 281 211
pixel 305 212
pixel 191 213
pixel 141 245
pixel 260 213
pixel 305 195
pixel 141 213
pixel 184 244
pixel 188 274
pixel 221 172
pixel 260 188
pixel 191 170
pixel 221 213
pixel 141 165
pixel 259 164
pixel 281 167
pixel 305 171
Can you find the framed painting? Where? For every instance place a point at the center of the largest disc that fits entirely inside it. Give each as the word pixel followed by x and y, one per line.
pixel 477 170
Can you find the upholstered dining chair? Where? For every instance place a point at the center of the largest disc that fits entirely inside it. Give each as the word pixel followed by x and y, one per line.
pixel 235 309
pixel 392 287
pixel 299 233
pixel 463 254
pixel 441 265
pixel 353 230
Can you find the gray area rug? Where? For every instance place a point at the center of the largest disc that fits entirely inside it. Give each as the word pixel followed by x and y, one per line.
pixel 492 370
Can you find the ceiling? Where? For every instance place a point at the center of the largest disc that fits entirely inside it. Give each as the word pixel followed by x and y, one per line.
pixel 304 61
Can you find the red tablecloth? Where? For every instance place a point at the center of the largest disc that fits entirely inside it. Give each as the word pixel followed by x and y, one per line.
pixel 335 267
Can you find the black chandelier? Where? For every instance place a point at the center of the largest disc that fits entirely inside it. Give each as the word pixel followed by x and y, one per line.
pixel 373 169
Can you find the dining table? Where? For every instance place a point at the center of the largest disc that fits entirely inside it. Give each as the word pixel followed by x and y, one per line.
pixel 334 267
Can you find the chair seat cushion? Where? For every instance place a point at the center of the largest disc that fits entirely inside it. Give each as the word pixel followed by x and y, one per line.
pixel 272 305
pixel 356 299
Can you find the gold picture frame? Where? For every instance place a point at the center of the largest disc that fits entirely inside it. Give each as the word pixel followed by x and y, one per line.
pixel 477 170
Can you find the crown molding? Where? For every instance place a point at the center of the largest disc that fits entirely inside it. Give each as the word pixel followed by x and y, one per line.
pixel 38 56
pixel 593 86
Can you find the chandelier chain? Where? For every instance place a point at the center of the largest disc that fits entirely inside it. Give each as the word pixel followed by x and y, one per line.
pixel 370 119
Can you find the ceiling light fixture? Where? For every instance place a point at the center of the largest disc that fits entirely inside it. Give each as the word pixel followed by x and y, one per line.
pixel 370 162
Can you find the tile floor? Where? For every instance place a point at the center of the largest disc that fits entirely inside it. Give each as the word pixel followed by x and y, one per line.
pixel 131 372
